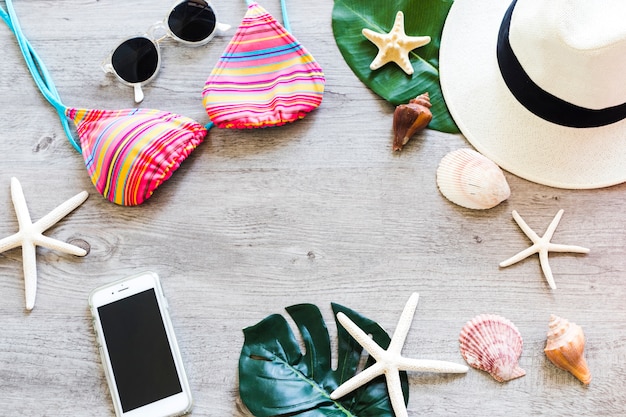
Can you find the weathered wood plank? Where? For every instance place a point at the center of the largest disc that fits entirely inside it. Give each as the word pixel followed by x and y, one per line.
pixel 320 211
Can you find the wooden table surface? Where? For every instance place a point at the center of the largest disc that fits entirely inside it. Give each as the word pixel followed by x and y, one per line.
pixel 319 211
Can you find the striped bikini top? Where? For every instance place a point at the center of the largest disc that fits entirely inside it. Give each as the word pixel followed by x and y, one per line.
pixel 265 78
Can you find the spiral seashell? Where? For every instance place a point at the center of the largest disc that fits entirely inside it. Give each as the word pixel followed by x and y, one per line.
pixel 565 348
pixel 408 119
pixel 493 344
pixel 471 180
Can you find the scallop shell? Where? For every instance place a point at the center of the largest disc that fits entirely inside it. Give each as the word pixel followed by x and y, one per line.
pixel 565 347
pixel 471 180
pixel 493 344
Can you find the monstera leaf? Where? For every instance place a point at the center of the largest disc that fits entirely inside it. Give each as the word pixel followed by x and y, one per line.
pixel 277 379
pixel 421 18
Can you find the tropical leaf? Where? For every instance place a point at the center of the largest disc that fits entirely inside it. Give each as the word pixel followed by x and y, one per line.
pixel 277 379
pixel 421 18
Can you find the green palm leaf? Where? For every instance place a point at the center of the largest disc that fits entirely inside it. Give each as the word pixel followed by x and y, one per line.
pixel 277 379
pixel 421 18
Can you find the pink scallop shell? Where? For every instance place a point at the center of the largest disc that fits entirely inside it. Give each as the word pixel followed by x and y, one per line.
pixel 493 344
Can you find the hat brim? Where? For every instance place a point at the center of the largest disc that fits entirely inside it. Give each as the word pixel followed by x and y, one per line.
pixel 500 128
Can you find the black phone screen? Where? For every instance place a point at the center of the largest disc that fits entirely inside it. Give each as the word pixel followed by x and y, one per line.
pixel 138 347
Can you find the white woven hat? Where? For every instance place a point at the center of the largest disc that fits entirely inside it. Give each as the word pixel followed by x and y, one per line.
pixel 539 86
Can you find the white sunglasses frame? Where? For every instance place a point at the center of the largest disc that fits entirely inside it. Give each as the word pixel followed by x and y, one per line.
pixel 163 27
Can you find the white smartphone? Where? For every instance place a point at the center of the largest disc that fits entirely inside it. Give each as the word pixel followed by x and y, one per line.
pixel 138 348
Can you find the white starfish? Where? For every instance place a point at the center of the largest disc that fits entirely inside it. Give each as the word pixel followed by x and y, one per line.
pixel 30 236
pixel 395 45
pixel 542 246
pixel 390 362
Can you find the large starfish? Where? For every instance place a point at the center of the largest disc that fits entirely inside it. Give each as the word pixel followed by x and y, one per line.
pixel 395 45
pixel 390 362
pixel 30 236
pixel 542 246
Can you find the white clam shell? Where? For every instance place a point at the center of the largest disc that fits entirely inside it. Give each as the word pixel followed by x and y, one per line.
pixel 471 180
pixel 493 344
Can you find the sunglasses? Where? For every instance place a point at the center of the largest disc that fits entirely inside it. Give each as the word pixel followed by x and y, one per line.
pixel 136 61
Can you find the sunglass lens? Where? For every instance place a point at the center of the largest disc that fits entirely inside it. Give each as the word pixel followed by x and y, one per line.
pixel 136 60
pixel 192 21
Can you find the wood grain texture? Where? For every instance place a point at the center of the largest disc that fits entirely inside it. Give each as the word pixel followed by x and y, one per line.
pixel 319 211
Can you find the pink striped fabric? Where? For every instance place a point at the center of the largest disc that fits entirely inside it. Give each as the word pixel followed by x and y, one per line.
pixel 264 78
pixel 129 153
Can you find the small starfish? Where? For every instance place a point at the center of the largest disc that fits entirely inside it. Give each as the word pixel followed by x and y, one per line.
pixel 395 45
pixel 30 236
pixel 542 246
pixel 390 362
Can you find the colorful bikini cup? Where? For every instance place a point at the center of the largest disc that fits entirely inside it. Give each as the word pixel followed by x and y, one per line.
pixel 130 153
pixel 265 77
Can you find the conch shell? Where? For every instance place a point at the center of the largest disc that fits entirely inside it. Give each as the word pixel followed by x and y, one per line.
pixel 493 344
pixel 409 119
pixel 565 348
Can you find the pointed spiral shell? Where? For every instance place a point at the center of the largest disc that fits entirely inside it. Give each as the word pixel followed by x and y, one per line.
pixel 408 119
pixel 565 348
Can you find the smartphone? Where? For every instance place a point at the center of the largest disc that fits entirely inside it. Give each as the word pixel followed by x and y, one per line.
pixel 138 348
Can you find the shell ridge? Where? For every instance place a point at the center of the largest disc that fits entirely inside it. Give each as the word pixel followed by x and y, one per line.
pixel 469 179
pixel 493 344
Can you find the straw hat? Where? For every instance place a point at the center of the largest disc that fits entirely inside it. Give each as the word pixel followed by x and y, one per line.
pixel 539 86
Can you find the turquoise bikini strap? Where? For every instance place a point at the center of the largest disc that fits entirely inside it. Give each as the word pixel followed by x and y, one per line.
pixel 283 9
pixel 38 70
